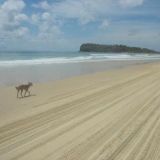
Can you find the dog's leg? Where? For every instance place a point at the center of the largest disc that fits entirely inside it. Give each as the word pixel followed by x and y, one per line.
pixel 25 93
pixel 17 93
pixel 21 93
pixel 29 92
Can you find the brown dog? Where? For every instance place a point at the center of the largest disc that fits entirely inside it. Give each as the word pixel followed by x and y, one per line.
pixel 24 87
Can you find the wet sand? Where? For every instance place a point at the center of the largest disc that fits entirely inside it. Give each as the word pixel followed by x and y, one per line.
pixel 14 75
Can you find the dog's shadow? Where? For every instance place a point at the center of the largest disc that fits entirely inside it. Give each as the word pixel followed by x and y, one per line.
pixel 27 96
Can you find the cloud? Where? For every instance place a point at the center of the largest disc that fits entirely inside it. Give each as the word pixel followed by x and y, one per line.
pixel 21 32
pixel 13 30
pixel 84 11
pixel 42 5
pixel 11 15
pixel 104 24
pixel 131 3
pixel 133 32
pixel 13 5
pixel 21 17
pixel 35 19
pixel 46 25
pixel 78 10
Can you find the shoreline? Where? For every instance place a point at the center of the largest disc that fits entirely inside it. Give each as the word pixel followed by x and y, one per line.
pixel 11 76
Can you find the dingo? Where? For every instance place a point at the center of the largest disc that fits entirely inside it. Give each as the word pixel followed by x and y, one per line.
pixel 24 87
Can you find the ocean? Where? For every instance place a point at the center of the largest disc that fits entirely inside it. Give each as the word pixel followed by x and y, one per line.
pixel 8 59
pixel 21 67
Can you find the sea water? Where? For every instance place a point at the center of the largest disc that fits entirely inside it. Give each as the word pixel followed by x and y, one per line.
pixel 18 58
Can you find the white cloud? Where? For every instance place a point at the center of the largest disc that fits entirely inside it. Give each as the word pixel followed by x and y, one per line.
pixel 104 24
pixel 21 17
pixel 11 15
pixel 46 16
pixel 13 32
pixel 47 27
pixel 35 18
pixel 74 10
pixel 134 32
pixel 13 5
pixel 21 31
pixel 84 11
pixel 42 5
pixel 131 3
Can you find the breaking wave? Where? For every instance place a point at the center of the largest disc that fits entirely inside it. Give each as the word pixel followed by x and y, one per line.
pixel 77 59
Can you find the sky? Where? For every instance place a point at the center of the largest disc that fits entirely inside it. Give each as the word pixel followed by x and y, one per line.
pixel 63 25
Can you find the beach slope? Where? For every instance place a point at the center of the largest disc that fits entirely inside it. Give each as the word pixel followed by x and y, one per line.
pixel 103 116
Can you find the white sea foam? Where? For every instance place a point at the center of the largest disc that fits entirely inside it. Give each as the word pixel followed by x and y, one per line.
pixel 44 61
pixel 86 58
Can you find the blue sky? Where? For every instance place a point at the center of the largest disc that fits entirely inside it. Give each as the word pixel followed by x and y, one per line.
pixel 65 24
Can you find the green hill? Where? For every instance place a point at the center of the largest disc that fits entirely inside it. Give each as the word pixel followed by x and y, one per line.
pixel 91 47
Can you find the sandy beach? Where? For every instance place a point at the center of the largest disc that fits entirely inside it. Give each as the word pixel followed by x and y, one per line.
pixel 112 115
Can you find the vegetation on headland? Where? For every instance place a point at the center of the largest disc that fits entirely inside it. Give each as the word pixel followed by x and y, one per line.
pixel 91 47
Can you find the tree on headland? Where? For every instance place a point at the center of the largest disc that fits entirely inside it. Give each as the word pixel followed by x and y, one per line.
pixel 91 47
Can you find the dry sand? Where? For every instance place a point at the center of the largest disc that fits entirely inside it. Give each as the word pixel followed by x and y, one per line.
pixel 113 115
